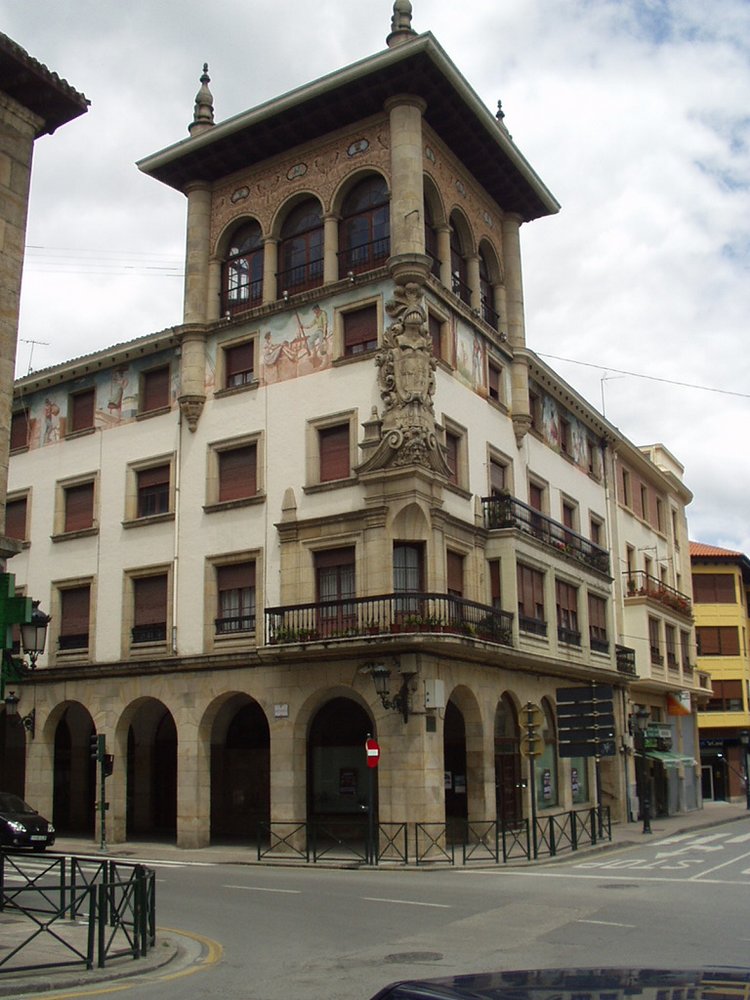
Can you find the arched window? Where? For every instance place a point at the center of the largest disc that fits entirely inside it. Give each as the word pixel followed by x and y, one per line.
pixel 486 292
pixel 243 269
pixel 301 248
pixel 431 239
pixel 459 270
pixel 364 230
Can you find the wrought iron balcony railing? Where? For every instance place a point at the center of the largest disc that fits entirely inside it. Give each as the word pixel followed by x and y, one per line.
pixel 640 584
pixel 364 257
pixel 625 660
pixel 507 512
pixel 387 614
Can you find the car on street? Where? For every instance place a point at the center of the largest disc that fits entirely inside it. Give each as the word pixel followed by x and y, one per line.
pixel 22 826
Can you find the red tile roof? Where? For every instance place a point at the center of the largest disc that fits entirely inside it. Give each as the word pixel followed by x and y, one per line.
pixel 713 551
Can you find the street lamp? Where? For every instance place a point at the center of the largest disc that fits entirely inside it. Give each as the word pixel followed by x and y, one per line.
pixel 640 720
pixel 34 634
pixel 11 710
pixel 381 676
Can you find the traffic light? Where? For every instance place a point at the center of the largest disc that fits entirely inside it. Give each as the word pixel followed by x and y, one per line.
pixel 108 764
pixel 97 746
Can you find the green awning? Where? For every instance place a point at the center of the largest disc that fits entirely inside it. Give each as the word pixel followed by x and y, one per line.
pixel 669 759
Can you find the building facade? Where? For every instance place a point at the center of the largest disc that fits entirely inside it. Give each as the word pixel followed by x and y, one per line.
pixel 721 587
pixel 345 466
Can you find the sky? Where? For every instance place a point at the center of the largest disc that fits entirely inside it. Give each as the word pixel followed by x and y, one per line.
pixel 635 114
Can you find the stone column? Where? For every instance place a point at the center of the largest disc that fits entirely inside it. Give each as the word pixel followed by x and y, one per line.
pixel 516 331
pixel 472 276
pixel 330 248
pixel 270 267
pixel 444 253
pixel 192 373
pixel 195 308
pixel 19 127
pixel 193 790
pixel 408 261
pixel 213 307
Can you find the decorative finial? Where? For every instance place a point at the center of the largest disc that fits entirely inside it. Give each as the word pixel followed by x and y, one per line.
pixel 203 114
pixel 401 29
pixel 500 118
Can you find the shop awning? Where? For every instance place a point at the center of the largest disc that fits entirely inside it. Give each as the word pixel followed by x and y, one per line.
pixel 669 759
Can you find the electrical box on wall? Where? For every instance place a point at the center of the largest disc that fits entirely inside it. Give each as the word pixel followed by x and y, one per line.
pixel 434 694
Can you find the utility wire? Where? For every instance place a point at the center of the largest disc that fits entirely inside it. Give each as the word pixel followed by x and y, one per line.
pixel 652 378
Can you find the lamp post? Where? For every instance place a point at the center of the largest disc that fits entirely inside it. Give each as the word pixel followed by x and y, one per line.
pixel 640 720
pixel 381 676
pixel 745 741
pixel 33 641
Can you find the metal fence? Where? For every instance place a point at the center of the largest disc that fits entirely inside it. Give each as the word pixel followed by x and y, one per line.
pixel 345 839
pixel 75 912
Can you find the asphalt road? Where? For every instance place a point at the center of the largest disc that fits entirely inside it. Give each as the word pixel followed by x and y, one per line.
pixel 302 934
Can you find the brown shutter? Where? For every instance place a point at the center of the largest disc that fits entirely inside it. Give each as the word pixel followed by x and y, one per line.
pixel 495 595
pixel 455 572
pixel 435 327
pixel 150 600
pixel 236 576
pixel 74 611
pixel 15 519
pixel 156 476
pixel 451 456
pixel 536 496
pixel 237 473
pixel 239 363
pixel 334 557
pixel 334 453
pixel 19 429
pixel 155 386
pixel 82 410
pixel 79 507
pixel 360 330
pixel 597 612
pixel 497 478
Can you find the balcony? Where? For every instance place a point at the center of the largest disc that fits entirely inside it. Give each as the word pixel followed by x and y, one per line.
pixel 364 257
pixel 507 512
pixel 625 660
pixel 387 614
pixel 640 584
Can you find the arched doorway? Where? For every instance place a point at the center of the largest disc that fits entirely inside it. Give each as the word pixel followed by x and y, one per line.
pixel 74 779
pixel 507 764
pixel 454 761
pixel 337 778
pixel 152 773
pixel 240 772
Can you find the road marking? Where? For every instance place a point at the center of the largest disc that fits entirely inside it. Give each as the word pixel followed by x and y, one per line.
pixel 406 902
pixel 604 923
pixel 602 875
pixel 739 840
pixel 723 865
pixel 258 888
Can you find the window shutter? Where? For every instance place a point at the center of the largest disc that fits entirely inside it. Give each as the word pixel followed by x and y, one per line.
pixel 19 429
pixel 360 330
pixel 334 453
pixel 157 476
pixel 536 496
pixel 435 327
pixel 497 478
pixel 237 473
pixel 82 410
pixel 15 519
pixel 597 612
pixel 455 572
pixel 79 507
pixel 451 456
pixel 74 611
pixel 239 364
pixel 155 387
pixel 236 576
pixel 150 600
pixel 495 595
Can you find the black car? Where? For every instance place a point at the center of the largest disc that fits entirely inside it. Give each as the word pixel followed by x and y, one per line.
pixel 572 984
pixel 22 826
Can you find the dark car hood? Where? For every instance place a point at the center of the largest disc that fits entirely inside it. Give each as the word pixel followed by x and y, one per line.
pixel 562 984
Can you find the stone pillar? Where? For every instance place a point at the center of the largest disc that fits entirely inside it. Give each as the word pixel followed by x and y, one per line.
pixel 195 309
pixel 411 775
pixel 500 307
pixel 472 276
pixel 270 267
pixel 516 332
pixel 408 261
pixel 444 253
pixel 193 790
pixel 288 780
pixel 19 128
pixel 330 249
pixel 213 307
pixel 192 373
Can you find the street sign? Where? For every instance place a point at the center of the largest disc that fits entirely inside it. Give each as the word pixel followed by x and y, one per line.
pixel 373 752
pixel 532 746
pixel 586 721
pixel 532 715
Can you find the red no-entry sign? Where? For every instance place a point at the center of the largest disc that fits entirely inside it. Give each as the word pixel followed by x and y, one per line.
pixel 373 752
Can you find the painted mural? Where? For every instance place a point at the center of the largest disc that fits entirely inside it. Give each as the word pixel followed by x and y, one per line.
pixel 579 440
pixel 116 400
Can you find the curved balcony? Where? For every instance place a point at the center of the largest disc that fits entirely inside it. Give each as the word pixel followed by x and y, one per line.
pixel 508 512
pixel 387 614
pixel 639 584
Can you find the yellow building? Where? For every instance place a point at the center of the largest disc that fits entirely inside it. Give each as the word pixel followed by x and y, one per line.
pixel 721 592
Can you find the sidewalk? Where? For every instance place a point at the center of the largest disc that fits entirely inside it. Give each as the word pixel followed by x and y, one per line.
pixel 178 951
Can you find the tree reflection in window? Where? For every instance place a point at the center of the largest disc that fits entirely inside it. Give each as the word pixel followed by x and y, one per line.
pixel 243 269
